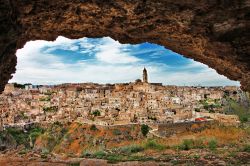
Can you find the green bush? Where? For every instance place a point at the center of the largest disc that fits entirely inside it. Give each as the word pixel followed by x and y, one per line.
pixel 186 144
pixel 196 156
pixel 212 144
pixel 48 93
pixel 75 164
pixel 20 137
pixel 238 109
pixel 48 98
pixel 197 110
pixel 21 86
pixel 144 130
pixel 50 109
pixel 244 119
pixel 86 153
pixel 34 135
pixel 211 111
pixel 113 158
pixel 116 132
pixel 139 158
pixel 99 154
pixel 93 127
pixel 246 148
pixel 152 144
pixel 131 149
pixel 23 138
pixel 57 123
pixel 44 153
pixel 23 151
pixel 96 113
pixel 152 118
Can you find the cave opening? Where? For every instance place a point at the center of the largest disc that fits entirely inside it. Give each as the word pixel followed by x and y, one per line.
pixel 105 60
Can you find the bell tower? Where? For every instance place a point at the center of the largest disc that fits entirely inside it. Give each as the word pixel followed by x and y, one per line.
pixel 145 75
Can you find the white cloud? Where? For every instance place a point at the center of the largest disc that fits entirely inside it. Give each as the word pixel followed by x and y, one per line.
pixel 194 64
pixel 208 78
pixel 112 52
pixel 113 64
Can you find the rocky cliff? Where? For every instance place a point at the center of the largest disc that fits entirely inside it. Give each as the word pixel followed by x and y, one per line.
pixel 214 32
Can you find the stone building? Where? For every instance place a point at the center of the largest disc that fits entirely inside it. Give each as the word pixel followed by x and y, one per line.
pixel 124 103
pixel 145 75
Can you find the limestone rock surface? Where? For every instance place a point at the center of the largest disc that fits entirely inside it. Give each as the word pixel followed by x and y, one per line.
pixel 214 32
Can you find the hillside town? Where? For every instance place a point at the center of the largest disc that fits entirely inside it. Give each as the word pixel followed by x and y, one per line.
pixel 116 104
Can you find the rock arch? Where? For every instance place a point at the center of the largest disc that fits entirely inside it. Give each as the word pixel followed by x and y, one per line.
pixel 214 32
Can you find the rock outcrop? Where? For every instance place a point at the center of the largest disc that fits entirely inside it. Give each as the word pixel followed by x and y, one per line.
pixel 214 32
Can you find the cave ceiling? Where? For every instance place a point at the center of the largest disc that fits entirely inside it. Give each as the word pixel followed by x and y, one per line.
pixel 214 32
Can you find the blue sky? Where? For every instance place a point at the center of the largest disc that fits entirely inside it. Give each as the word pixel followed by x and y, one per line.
pixel 104 60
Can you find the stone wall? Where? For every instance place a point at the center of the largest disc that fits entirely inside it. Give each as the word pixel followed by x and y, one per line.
pixel 169 129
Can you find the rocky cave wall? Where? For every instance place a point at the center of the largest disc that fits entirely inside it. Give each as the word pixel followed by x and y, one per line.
pixel 214 32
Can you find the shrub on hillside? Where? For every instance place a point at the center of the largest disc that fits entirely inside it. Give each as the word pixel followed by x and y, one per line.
pixel 19 136
pixel 246 148
pixel 44 153
pixel 212 144
pixel 23 138
pixel 96 113
pixel 86 153
pixel 35 133
pixel 116 132
pixel 152 144
pixel 144 130
pixel 52 109
pixel 74 164
pixel 93 127
pixel 131 149
pixel 114 158
pixel 99 154
pixel 244 119
pixel 187 144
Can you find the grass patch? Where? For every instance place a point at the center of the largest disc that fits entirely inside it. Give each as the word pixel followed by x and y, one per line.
pixel 23 138
pixel 54 135
pixel 74 164
pixel 114 158
pixel 152 144
pixel 238 109
pixel 35 133
pixel 116 132
pixel 23 151
pixel 138 158
pixel 246 148
pixel 44 153
pixel 100 154
pixel 86 153
pixel 212 144
pixel 127 153
pixel 187 144
pixel 131 149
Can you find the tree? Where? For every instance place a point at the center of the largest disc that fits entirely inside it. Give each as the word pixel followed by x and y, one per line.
pixel 144 130
pixel 96 113
pixel 197 110
pixel 93 127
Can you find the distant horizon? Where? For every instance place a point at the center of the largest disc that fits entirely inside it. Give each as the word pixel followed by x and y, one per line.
pixel 104 60
pixel 119 83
